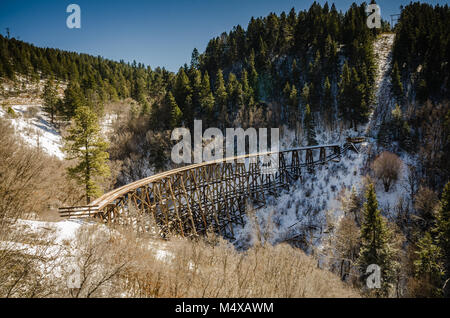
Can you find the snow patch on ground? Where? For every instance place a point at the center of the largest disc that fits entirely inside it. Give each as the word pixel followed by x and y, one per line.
pixel 36 131
pixel 302 211
pixel 64 235
pixel 106 124
pixel 65 230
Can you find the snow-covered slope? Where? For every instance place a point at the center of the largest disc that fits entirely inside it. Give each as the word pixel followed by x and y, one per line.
pixel 21 105
pixel 23 99
pixel 303 212
pixel 34 127
pixel 384 102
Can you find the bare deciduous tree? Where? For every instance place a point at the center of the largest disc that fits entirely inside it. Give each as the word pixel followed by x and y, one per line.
pixel 29 182
pixel 347 244
pixel 101 257
pixel 387 169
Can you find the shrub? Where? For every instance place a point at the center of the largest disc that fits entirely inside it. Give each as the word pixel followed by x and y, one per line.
pixel 11 112
pixel 387 168
pixel 118 263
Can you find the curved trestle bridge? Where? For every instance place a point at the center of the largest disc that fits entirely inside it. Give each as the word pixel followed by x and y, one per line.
pixel 190 200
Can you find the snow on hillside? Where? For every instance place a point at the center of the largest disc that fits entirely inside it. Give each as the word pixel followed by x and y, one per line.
pixel 33 126
pixel 107 123
pixel 36 130
pixel 64 230
pixel 63 236
pixel 302 213
pixel 303 208
pixel 29 120
pixel 383 99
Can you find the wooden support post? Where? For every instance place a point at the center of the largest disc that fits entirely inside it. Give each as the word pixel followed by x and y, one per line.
pixel 188 201
pixel 323 155
pixel 296 170
pixel 309 159
pixel 186 197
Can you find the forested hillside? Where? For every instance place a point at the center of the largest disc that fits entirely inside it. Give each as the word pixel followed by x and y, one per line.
pixel 93 80
pixel 420 74
pixel 320 75
pixel 299 62
pixel 419 125
pixel 280 70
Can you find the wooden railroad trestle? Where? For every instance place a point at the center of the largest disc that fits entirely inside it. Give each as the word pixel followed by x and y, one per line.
pixel 189 201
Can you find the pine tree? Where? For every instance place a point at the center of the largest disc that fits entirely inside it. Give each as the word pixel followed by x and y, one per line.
pixel 138 91
pixel 360 107
pixel 397 121
pixel 221 99
pixel 50 98
pixel 176 114
pixel 239 105
pixel 246 88
pixel 286 94
pixel 305 95
pixel 375 248
pixel 353 206
pixel 286 91
pixel 247 100
pixel 73 99
pixel 428 266
pixel 195 62
pixel 328 101
pixel 327 96
pixel 262 50
pixel 293 106
pixel 85 144
pixel 309 125
pixel 443 233
pixel 344 94
pixel 316 81
pixel 295 72
pixel 206 98
pixel 196 83
pixel 182 92
pixel 234 90
pixel 397 86
pixel 253 75
pixel 331 55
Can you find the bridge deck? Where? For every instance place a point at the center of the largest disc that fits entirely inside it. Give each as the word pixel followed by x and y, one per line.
pixel 191 199
pixel 102 201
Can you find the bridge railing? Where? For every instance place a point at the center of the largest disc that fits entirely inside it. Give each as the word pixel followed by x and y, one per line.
pixel 79 211
pixel 104 200
pixel 192 198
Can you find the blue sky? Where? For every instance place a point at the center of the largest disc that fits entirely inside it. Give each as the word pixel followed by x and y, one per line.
pixel 154 32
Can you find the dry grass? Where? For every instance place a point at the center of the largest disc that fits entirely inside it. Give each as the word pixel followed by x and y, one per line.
pixel 201 269
pixel 118 263
pixel 30 181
